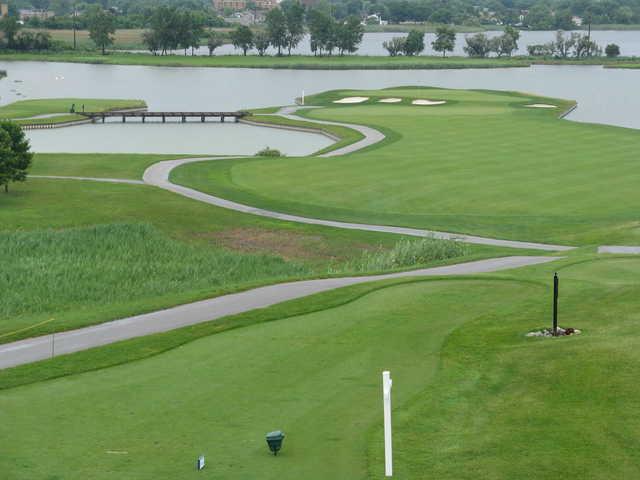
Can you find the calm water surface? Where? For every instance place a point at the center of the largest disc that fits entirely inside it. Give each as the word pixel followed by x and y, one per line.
pixel 604 95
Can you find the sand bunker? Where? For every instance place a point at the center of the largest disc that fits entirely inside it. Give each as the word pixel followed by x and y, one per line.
pixel 428 102
pixel 352 100
pixel 541 105
pixel 390 100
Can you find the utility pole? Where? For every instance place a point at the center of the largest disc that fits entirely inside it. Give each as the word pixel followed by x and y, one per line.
pixel 75 13
pixel 555 304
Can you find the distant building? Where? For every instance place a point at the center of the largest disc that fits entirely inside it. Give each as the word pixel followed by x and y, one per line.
pixel 26 14
pixel 577 21
pixel 239 5
pixel 4 9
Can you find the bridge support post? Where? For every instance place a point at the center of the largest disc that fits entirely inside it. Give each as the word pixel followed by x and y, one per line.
pixel 163 119
pixel 236 119
pixel 143 118
pixel 222 119
pixel 184 118
pixel 202 118
pixel 103 118
pixel 124 119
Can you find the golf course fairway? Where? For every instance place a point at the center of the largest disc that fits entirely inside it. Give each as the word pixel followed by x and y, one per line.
pixel 482 163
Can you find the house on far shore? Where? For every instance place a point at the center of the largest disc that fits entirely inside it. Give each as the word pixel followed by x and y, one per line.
pixel 4 9
pixel 28 13
pixel 240 5
pixel 577 21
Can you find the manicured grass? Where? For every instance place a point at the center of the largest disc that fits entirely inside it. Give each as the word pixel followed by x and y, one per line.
pixel 482 163
pixel 100 165
pixel 23 109
pixel 78 277
pixel 254 61
pixel 471 392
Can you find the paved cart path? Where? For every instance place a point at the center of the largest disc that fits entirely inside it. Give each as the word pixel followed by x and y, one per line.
pixel 40 348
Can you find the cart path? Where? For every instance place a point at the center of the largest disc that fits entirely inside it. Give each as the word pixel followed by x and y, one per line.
pixel 158 175
pixel 40 348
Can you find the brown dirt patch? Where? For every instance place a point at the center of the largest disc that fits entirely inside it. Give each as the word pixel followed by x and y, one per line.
pixel 289 245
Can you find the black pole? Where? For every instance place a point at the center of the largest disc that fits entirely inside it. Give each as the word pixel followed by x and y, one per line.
pixel 555 304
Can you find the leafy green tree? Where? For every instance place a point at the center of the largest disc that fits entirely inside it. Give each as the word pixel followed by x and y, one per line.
pixel 612 50
pixel 294 15
pixel 276 24
pixel 214 40
pixel 15 154
pixel 321 31
pixel 477 45
pixel 242 38
pixel 414 43
pixel 42 41
pixel 151 39
pixel 563 45
pixel 349 35
pixel 102 26
pixel 445 40
pixel 395 46
pixel 261 41
pixel 506 43
pixel 9 26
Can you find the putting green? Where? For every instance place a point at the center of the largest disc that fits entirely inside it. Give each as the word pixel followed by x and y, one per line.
pixel 482 163
pixel 471 392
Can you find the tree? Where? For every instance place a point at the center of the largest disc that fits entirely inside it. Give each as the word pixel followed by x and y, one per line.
pixel 322 30
pixel 414 43
pixel 478 45
pixel 585 47
pixel 563 45
pixel 277 29
pixel 395 46
pixel 151 39
pixel 15 154
pixel 42 41
pixel 242 38
pixel 612 50
pixel 9 26
pixel 294 15
pixel 102 26
pixel 445 40
pixel 349 35
pixel 214 40
pixel 261 41
pixel 506 43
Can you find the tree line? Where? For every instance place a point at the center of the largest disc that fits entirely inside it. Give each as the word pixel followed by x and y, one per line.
pixel 283 29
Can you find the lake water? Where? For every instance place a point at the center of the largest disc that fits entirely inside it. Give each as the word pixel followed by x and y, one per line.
pixel 182 138
pixel 628 41
pixel 604 96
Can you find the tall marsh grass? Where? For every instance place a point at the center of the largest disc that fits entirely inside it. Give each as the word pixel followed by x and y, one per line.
pixel 52 271
pixel 408 253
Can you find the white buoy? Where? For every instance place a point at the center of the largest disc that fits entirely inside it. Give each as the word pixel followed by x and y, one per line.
pixel 386 397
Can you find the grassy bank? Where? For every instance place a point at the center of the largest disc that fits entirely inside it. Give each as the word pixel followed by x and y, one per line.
pixel 482 163
pixel 291 361
pixel 254 61
pixel 303 62
pixel 58 110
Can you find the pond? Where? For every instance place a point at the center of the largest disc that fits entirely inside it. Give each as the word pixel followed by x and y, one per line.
pixel 603 95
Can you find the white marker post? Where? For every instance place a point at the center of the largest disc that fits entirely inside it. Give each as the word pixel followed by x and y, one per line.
pixel 302 97
pixel 386 397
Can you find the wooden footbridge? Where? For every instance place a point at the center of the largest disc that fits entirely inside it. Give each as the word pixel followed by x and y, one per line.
pixel 95 116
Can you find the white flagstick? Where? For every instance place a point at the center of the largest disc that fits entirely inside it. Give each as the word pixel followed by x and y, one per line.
pixel 302 97
pixel 386 396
